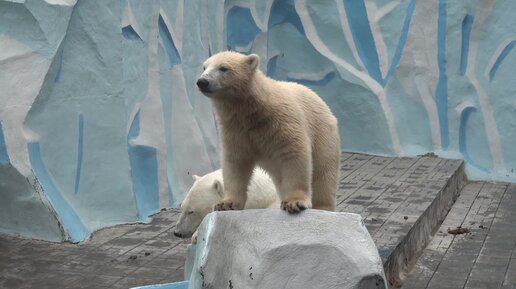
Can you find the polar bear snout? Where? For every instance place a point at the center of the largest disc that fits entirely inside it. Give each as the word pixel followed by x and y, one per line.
pixel 203 84
pixel 181 234
pixel 187 223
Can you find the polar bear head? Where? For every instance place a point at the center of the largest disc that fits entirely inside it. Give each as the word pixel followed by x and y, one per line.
pixel 204 194
pixel 227 74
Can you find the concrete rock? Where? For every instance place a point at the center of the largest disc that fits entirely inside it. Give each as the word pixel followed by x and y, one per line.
pixel 272 249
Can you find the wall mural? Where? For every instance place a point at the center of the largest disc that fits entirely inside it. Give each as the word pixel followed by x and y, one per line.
pixel 101 122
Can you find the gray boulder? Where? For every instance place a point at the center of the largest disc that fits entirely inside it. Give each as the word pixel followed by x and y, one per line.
pixel 272 249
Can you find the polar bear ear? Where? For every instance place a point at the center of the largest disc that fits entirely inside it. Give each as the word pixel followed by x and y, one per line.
pixel 217 185
pixel 196 177
pixel 253 60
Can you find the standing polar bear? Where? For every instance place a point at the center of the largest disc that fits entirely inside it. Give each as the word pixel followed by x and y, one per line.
pixel 283 127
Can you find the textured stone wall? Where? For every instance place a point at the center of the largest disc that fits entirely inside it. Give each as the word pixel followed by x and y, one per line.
pixel 101 123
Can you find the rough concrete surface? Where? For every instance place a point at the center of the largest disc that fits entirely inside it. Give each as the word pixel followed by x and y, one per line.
pixel 271 249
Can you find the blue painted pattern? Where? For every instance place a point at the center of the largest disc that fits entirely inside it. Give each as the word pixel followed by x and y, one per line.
pixel 463 146
pixel 168 43
pixel 284 11
pixel 363 37
pixel 144 173
pixel 129 33
pixel 80 148
pixel 4 157
pixel 442 84
pixel 176 285
pixel 505 52
pixel 467 24
pixel 402 41
pixel 66 214
pixel 241 28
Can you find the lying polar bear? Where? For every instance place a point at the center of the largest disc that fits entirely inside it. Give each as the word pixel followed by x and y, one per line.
pixel 208 190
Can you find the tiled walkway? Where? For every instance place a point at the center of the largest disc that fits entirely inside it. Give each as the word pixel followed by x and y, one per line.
pixel 119 257
pixel 390 193
pixel 483 258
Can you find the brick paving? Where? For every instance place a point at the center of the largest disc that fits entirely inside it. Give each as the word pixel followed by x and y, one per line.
pixel 390 193
pixel 483 258
pixel 119 257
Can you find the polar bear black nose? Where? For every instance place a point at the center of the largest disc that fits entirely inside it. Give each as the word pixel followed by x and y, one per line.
pixel 203 83
pixel 177 234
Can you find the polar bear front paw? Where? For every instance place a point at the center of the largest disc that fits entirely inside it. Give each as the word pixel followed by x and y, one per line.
pixel 296 205
pixel 227 205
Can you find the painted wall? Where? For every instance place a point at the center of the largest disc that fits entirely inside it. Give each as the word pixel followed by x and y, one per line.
pixel 101 122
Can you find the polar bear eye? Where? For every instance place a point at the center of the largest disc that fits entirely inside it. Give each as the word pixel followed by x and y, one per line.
pixel 190 212
pixel 223 69
pixel 203 68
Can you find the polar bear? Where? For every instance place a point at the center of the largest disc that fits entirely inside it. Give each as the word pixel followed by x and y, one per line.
pixel 208 190
pixel 283 127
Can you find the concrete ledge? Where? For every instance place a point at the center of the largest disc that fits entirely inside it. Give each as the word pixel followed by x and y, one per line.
pixel 406 253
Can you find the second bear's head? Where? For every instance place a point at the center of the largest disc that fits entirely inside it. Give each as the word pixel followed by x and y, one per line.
pixel 227 74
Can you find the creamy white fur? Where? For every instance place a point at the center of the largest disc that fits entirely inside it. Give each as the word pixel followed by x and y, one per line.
pixel 208 191
pixel 283 127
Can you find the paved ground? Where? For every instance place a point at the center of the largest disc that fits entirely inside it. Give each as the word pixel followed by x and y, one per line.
pixel 483 258
pixel 390 193
pixel 119 257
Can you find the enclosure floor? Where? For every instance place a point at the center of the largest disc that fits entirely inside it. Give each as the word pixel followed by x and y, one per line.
pixel 118 257
pixel 483 258
pixel 390 193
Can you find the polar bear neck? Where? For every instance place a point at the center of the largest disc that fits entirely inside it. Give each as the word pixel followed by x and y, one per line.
pixel 253 99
